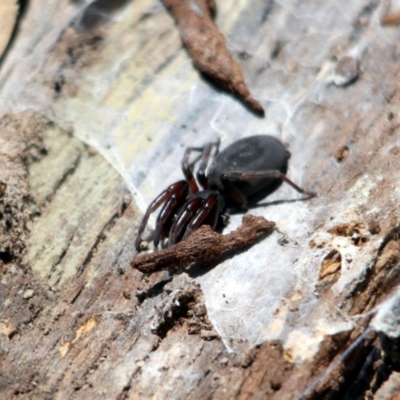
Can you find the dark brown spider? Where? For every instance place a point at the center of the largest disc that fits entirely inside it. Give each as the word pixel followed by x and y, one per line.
pixel 245 172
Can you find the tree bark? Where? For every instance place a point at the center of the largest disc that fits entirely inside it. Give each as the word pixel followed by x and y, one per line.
pixel 77 322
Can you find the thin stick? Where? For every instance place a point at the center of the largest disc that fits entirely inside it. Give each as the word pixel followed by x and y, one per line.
pixel 204 245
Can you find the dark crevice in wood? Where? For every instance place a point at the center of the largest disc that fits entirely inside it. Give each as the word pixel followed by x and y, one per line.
pixel 99 12
pixel 107 226
pixel 344 357
pixel 176 313
pixel 78 293
pixel 6 257
pixel 266 12
pixel 104 285
pixel 165 64
pixel 153 291
pixel 58 262
pixel 357 376
pixel 96 361
pixel 363 381
pixel 126 390
pixel 394 234
pixel 148 80
pixel 371 283
pixel 69 172
pixel 100 237
pixel 23 5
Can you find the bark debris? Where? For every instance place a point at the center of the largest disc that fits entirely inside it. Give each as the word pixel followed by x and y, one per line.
pixel 207 47
pixel 204 245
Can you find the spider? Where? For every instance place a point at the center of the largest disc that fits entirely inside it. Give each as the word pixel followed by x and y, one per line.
pixel 244 173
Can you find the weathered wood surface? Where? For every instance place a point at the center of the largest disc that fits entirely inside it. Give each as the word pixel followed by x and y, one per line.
pixel 8 15
pixel 76 321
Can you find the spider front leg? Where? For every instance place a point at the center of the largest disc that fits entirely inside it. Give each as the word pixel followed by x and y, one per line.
pixel 205 158
pixel 204 209
pixel 178 193
pixel 166 216
pixel 201 173
pixel 207 214
pixel 182 220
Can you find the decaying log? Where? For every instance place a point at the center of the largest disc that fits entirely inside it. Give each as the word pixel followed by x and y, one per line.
pixel 77 322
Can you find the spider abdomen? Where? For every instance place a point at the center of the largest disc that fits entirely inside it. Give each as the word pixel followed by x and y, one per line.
pixel 252 154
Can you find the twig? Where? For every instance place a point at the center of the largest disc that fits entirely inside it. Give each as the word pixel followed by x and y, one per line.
pixel 207 47
pixel 204 245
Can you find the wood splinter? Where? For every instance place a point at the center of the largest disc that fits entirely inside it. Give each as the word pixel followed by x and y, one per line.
pixel 204 245
pixel 207 48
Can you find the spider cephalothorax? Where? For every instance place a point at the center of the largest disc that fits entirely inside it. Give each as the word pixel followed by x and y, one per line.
pixel 246 171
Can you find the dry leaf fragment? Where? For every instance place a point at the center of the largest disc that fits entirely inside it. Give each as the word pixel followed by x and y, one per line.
pixel 207 47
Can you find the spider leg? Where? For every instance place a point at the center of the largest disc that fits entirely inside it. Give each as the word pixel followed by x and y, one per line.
pixel 178 189
pixel 187 169
pixel 236 195
pixel 248 176
pixel 183 218
pixel 207 214
pixel 201 174
pixel 167 212
pixel 205 158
